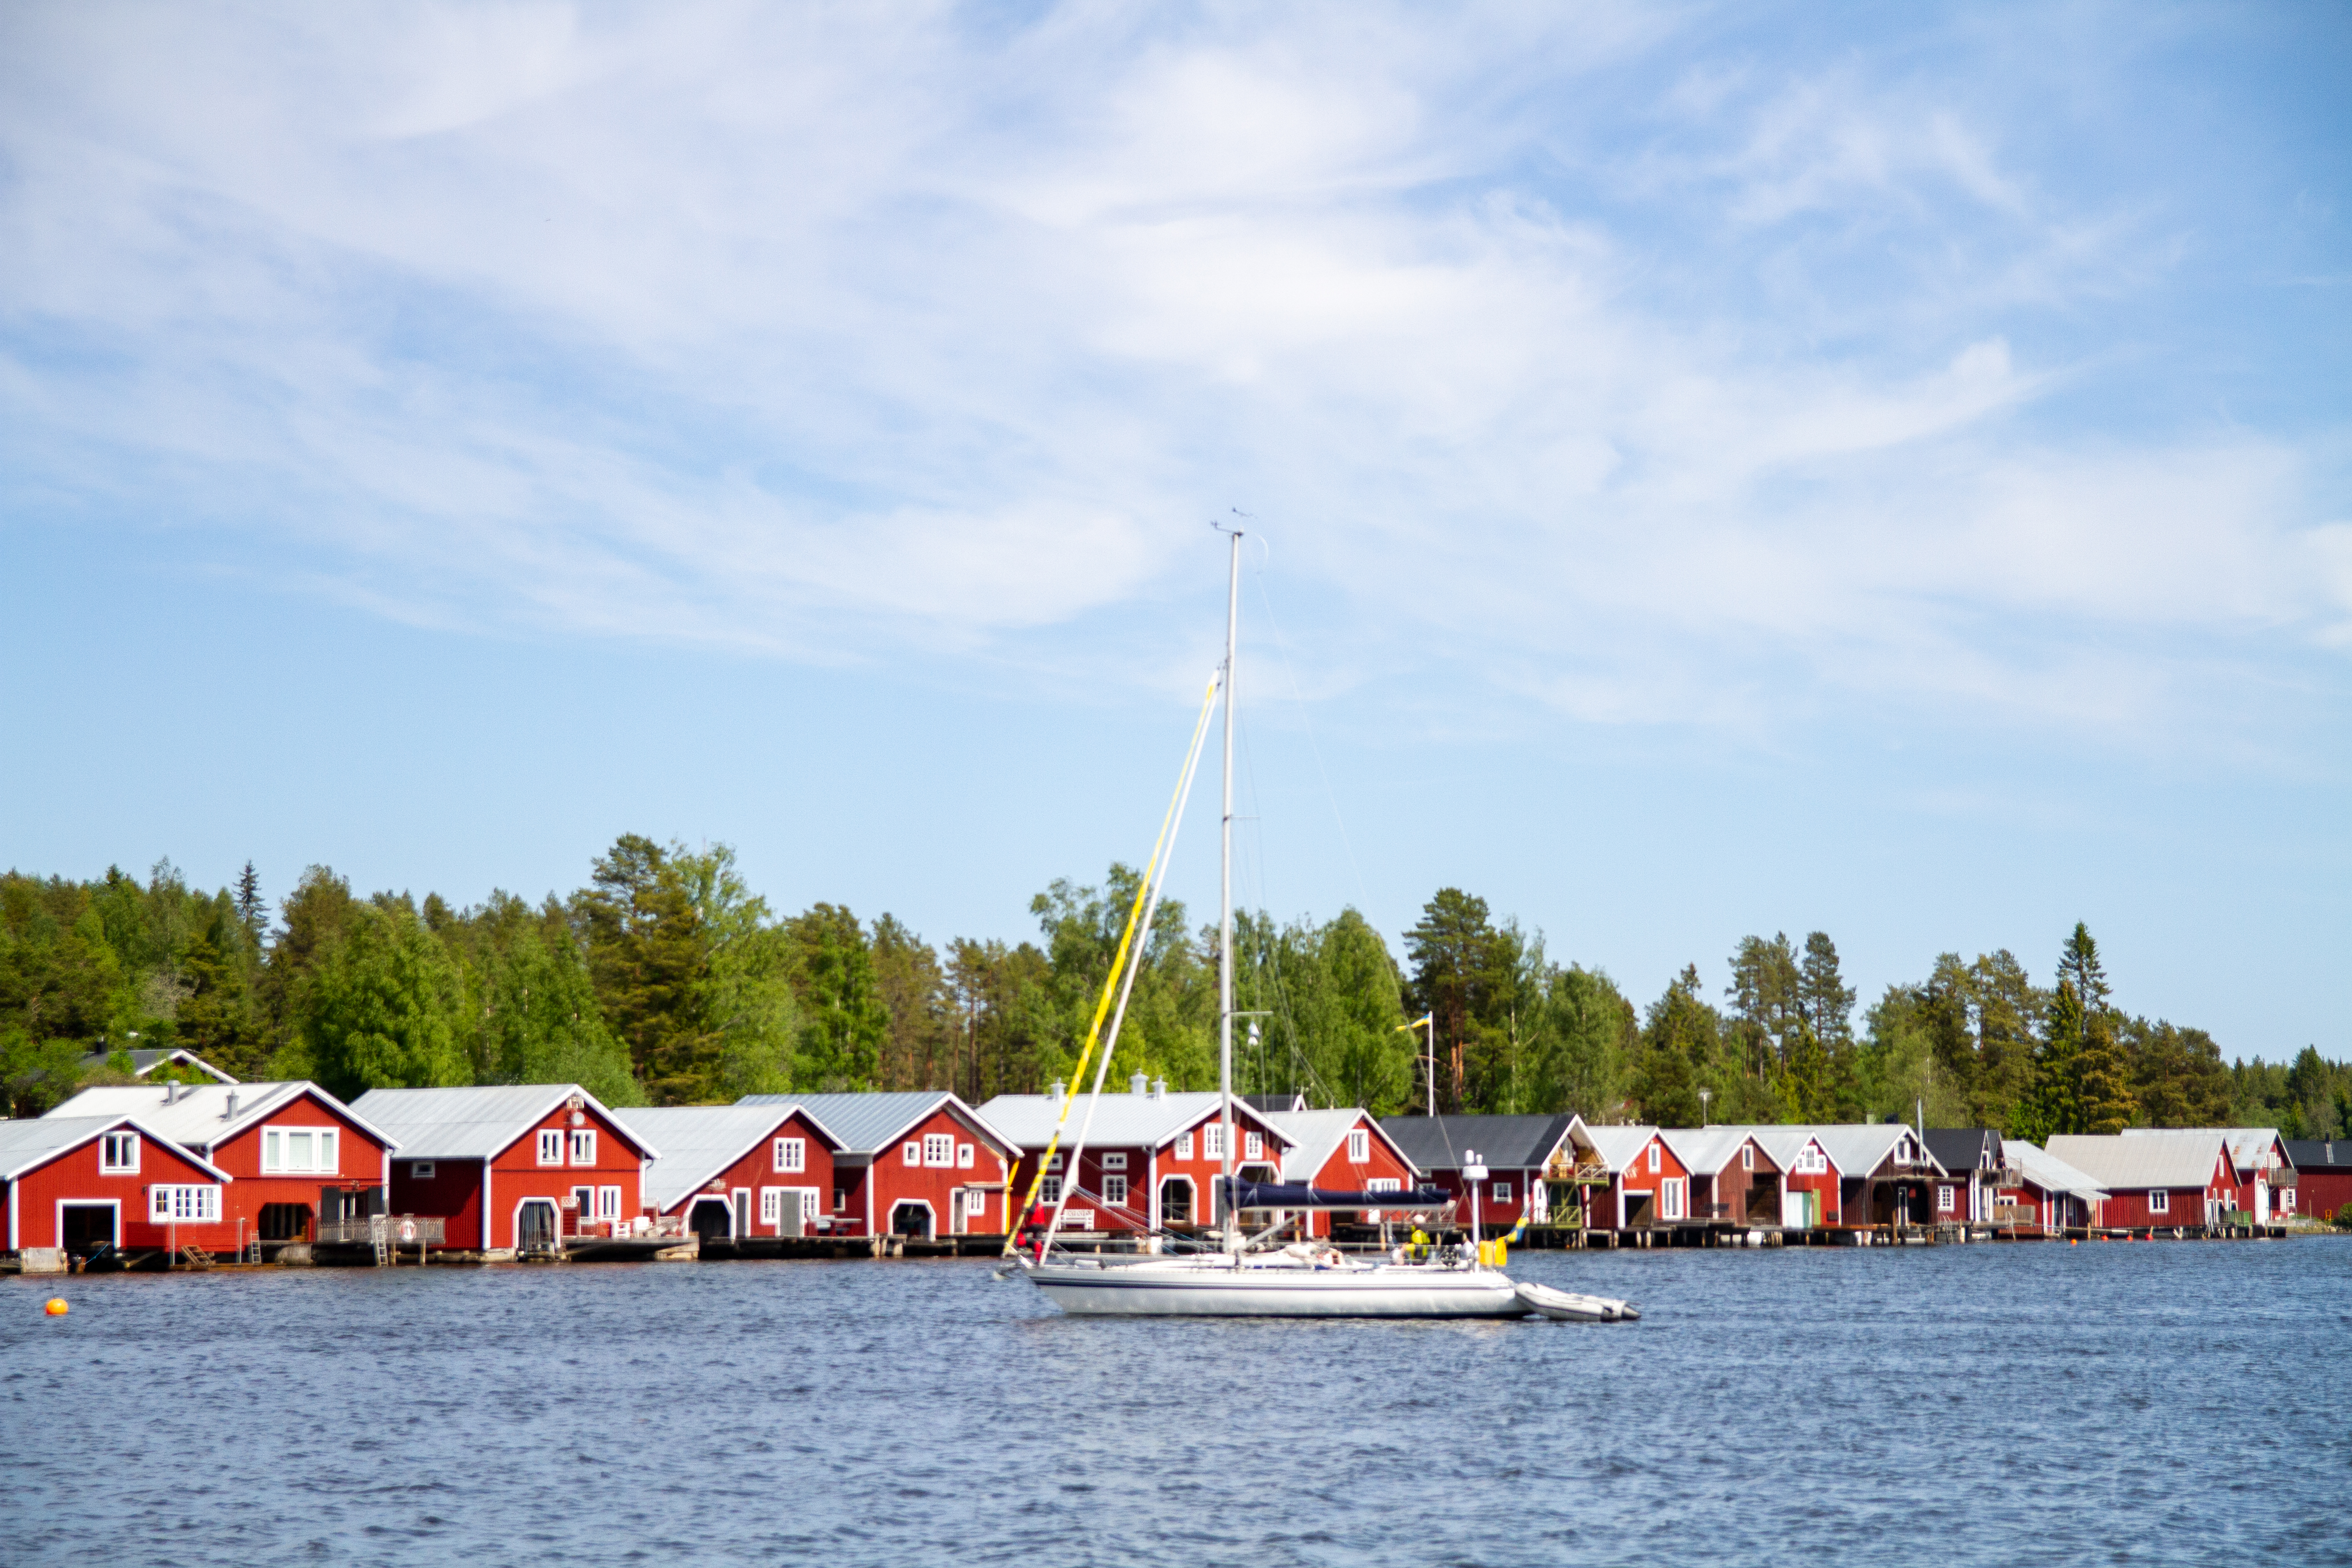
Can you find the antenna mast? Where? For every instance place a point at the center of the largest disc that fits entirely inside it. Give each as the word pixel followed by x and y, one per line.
pixel 1226 914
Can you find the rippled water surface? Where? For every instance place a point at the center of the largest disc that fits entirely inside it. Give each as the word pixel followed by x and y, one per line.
pixel 2185 1402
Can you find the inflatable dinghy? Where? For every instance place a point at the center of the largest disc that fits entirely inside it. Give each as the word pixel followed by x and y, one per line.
pixel 1572 1308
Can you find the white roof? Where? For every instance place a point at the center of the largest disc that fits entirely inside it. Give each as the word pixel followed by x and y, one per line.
pixel 2153 1160
pixel 2251 1148
pixel 32 1141
pixel 1705 1151
pixel 868 1121
pixel 1121 1121
pixel 1617 1146
pixel 200 1113
pixel 472 1124
pixel 1316 1136
pixel 1855 1147
pixel 698 1142
pixel 2046 1171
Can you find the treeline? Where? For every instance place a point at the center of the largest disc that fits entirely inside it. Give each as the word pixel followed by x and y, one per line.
pixel 665 980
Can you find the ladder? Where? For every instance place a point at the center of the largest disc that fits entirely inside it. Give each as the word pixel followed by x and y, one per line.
pixel 378 1238
pixel 195 1256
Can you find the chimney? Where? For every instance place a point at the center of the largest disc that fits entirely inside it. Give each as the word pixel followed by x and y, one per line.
pixel 1139 1085
pixel 171 1091
pixel 1053 1090
pixel 1159 1089
pixel 230 1113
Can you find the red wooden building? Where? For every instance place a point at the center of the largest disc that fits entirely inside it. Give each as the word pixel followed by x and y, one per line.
pixel 298 1155
pixel 1152 1157
pixel 1734 1179
pixel 1343 1151
pixel 737 1171
pixel 79 1184
pixel 910 1163
pixel 2262 1174
pixel 2036 1191
pixel 1811 1184
pixel 1648 1183
pixel 1517 1151
pixel 510 1166
pixel 2161 1180
pixel 2323 1175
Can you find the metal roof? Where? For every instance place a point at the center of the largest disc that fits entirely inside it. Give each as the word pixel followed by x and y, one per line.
pixel 698 1142
pixel 1618 1147
pixel 1513 1142
pixel 1316 1136
pixel 206 1115
pixel 473 1123
pixel 869 1123
pixel 2184 1159
pixel 2320 1153
pixel 1121 1121
pixel 29 1142
pixel 2046 1171
pixel 1855 1147
pixel 1964 1149
pixel 1705 1151
pixel 143 1062
pixel 2250 1147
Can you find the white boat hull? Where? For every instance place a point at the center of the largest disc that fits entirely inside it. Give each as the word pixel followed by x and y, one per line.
pixel 1218 1287
pixel 1570 1307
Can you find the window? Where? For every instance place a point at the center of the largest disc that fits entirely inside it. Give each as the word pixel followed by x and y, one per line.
pixel 1212 1141
pixel 184 1206
pixel 964 1156
pixel 1654 1156
pixel 792 1153
pixel 840 1199
pixel 1115 1161
pixel 1252 1146
pixel 939 1151
pixel 1671 1198
pixel 1049 1191
pixel 975 1202
pixel 1499 1192
pixel 1054 1162
pixel 298 1149
pixel 910 1153
pixel 771 1204
pixel 1359 1147
pixel 1944 1200
pixel 1810 1161
pixel 1747 1156
pixel 118 1154
pixel 550 1147
pixel 420 1170
pixel 1115 1191
pixel 2160 1201
pixel 608 1202
pixel 773 1199
pixel 1183 1145
pixel 584 1145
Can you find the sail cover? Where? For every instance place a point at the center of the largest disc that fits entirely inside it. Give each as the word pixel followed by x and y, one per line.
pixel 1278 1196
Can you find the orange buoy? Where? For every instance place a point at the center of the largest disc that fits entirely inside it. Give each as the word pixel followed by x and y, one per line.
pixel 2073 1241
pixel 57 1307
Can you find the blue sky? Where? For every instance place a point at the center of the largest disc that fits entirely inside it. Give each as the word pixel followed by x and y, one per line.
pixel 1713 469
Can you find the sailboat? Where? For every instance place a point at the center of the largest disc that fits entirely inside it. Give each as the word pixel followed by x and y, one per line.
pixel 1259 1275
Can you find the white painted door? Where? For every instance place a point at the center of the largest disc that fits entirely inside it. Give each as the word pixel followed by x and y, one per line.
pixel 1792 1211
pixel 2262 1200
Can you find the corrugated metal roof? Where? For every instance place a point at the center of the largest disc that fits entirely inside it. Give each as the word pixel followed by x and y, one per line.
pixel 1618 1147
pixel 29 1141
pixel 867 1123
pixel 1316 1135
pixel 1705 1151
pixel 1121 1121
pixel 697 1142
pixel 1964 1149
pixel 143 1062
pixel 2048 1172
pixel 2251 1148
pixel 200 1115
pixel 1512 1143
pixel 1855 1147
pixel 471 1123
pixel 2320 1153
pixel 2184 1159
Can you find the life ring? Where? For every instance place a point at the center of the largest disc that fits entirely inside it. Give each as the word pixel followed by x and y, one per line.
pixel 407 1230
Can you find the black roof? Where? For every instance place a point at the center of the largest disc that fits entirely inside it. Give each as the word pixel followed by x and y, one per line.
pixel 2319 1153
pixel 1436 1142
pixel 1958 1149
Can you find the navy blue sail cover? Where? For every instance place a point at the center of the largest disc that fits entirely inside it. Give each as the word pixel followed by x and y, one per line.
pixel 1278 1196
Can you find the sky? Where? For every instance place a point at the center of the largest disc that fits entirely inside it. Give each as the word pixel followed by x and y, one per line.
pixel 1703 469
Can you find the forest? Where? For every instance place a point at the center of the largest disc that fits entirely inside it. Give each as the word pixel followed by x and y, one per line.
pixel 665 980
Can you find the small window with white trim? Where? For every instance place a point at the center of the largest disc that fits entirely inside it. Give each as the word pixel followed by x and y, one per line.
pixel 584 1145
pixel 1499 1192
pixel 1115 1191
pixel 183 1205
pixel 2160 1201
pixel 792 1153
pixel 550 1146
pixel 910 1153
pixel 1116 1161
pixel 1212 1141
pixel 1654 1156
pixel 975 1203
pixel 939 1151
pixel 1747 1156
pixel 1252 1146
pixel 1359 1147
pixel 1049 1191
pixel 608 1202
pixel 1183 1145
pixel 118 1154
pixel 420 1170
pixel 299 1150
pixel 964 1156
pixel 1944 1200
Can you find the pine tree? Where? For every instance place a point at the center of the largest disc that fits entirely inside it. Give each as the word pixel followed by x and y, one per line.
pixel 648 956
pixel 250 910
pixel 2103 1086
pixel 1823 994
pixel 1455 961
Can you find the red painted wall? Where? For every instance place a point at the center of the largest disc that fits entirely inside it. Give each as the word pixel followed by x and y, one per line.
pixel 890 1181
pixel 358 1158
pixel 453 1195
pixel 1340 1174
pixel 516 1173
pixel 2319 1194
pixel 73 1177
pixel 1142 1178
pixel 757 1169
pixel 1824 1183
pixel 1638 1181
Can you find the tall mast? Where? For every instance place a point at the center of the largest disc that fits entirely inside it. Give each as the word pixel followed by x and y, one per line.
pixel 1225 912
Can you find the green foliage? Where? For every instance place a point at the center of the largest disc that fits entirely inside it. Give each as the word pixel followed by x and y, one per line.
pixel 383 1010
pixel 844 1023
pixel 1465 974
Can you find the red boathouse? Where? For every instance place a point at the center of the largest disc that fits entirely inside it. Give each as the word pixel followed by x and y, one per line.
pixel 79 1184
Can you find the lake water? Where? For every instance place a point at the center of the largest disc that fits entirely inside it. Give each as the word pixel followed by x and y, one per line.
pixel 2169 1403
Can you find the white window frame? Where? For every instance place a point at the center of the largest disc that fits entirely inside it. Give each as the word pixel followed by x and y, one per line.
pixel 583 1142
pixel 976 1204
pixel 1654 1157
pixel 910 1153
pixel 550 1146
pixel 1114 1160
pixel 184 1202
pixel 1183 1145
pixel 1049 1191
pixel 325 1150
pixel 2160 1200
pixel 1674 1198
pixel 1812 1160
pixel 1360 1146
pixel 939 1151
pixel 964 1156
pixel 1252 1146
pixel 1499 1192
pixel 1946 1201
pixel 792 1154
pixel 608 1202
pixel 1114 1192
pixel 1747 1156
pixel 1212 1141
pixel 125 1141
